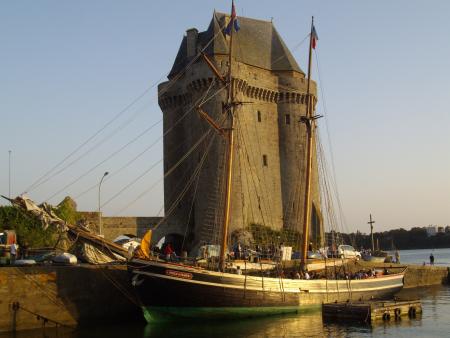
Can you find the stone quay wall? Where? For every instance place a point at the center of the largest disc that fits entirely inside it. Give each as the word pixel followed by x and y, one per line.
pixel 67 295
pixel 418 275
pixel 415 276
pixel 115 226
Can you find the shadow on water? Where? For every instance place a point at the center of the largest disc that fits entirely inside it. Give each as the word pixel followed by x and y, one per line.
pixel 308 324
pixel 268 327
pixel 303 325
pixel 435 301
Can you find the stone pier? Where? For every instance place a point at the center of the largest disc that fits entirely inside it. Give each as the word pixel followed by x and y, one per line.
pixel 65 296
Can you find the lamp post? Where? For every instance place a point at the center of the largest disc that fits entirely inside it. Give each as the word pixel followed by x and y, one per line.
pixel 100 228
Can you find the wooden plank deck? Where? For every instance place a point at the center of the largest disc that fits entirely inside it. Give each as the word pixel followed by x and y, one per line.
pixel 370 311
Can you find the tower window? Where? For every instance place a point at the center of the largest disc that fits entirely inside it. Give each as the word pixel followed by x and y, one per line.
pixel 259 116
pixel 265 160
pixel 287 119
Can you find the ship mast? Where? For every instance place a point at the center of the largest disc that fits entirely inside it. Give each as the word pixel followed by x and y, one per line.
pixel 309 121
pixel 229 168
pixel 371 232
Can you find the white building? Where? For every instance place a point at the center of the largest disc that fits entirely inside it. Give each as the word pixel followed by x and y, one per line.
pixel 431 230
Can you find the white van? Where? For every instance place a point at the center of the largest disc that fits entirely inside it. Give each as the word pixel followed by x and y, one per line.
pixel 347 251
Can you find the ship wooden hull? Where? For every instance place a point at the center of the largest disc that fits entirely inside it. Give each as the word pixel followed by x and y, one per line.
pixel 167 290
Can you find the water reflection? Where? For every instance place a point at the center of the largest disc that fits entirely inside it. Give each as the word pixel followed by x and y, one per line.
pixel 433 322
pixel 262 327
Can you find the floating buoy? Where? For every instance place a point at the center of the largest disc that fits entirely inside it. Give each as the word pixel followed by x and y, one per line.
pixel 412 311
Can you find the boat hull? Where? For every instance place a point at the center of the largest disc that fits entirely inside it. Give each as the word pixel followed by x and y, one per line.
pixel 374 259
pixel 165 313
pixel 167 290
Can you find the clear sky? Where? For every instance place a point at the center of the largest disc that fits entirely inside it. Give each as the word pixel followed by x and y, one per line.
pixel 69 67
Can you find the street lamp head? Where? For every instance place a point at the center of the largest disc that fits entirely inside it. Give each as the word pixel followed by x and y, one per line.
pixel 100 226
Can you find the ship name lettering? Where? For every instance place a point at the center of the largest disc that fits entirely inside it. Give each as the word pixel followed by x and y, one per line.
pixel 179 274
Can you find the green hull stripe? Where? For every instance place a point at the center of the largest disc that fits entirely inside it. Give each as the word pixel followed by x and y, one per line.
pixel 161 313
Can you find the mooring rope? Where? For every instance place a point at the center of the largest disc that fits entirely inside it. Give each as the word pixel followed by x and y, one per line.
pixel 16 307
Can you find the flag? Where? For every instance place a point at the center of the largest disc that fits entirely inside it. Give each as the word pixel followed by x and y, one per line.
pixel 233 21
pixel 143 251
pixel 314 37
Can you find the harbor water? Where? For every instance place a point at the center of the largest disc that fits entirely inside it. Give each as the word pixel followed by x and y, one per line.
pixel 441 256
pixel 434 322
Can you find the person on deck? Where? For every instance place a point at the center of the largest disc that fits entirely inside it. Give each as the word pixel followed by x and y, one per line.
pixel 307 276
pixel 397 257
pixel 238 251
pixel 431 259
pixel 168 251
pixel 258 253
pixel 13 253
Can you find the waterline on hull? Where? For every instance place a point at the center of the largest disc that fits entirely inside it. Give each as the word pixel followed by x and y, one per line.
pixel 166 313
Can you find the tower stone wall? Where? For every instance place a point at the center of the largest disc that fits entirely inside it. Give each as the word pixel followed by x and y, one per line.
pixel 268 183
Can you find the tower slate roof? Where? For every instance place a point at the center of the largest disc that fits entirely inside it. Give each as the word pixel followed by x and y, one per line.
pixel 257 43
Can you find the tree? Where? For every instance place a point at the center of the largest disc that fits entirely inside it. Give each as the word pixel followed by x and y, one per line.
pixel 29 229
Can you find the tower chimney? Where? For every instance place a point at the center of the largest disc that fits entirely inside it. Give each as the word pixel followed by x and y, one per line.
pixel 191 39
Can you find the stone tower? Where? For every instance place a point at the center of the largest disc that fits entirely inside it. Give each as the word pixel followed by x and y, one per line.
pixel 269 168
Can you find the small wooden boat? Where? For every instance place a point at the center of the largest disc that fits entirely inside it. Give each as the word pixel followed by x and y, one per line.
pixel 374 258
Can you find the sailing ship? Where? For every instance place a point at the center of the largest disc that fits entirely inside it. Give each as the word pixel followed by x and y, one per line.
pixel 375 255
pixel 186 290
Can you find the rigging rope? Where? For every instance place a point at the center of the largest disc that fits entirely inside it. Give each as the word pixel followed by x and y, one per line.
pixel 193 197
pixel 189 183
pixel 254 185
pixel 104 160
pixel 120 113
pixel 200 101
pixel 114 173
pixel 333 166
pixel 48 175
pixel 151 167
pixel 298 45
pixel 255 177
pixel 327 192
pixel 262 182
pixel 190 212
pixel 87 152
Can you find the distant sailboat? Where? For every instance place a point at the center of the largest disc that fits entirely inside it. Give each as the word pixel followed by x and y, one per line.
pixel 375 255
